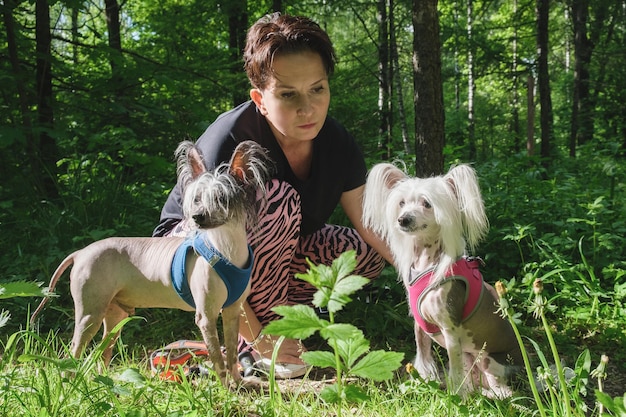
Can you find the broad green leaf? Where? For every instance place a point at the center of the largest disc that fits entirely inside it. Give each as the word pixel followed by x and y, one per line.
pixel 327 276
pixel 355 394
pixel 350 350
pixel 133 376
pixel 311 276
pixel 339 331
pixel 336 302
pixel 321 297
pixel 298 322
pixel 320 359
pixel 378 365
pixel 22 289
pixel 105 380
pixel 350 284
pixel 344 264
pixel 330 394
pixel 350 393
pixel 344 287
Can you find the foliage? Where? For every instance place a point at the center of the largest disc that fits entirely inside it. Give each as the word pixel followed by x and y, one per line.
pixel 562 389
pixel 351 350
pixel 114 169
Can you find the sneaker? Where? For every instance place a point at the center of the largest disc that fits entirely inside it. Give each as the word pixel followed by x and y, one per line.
pixel 282 370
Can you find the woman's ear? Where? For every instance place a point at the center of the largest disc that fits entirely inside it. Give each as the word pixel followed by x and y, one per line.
pixel 257 96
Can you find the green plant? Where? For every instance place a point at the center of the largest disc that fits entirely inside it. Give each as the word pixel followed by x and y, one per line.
pixel 563 388
pixel 18 289
pixel 351 354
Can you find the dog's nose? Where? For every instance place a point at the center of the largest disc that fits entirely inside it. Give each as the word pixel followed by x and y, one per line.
pixel 199 218
pixel 405 221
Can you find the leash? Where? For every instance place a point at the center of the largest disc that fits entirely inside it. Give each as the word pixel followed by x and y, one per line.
pixel 168 361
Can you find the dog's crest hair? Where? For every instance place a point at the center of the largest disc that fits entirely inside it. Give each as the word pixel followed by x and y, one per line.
pixel 457 211
pixel 229 191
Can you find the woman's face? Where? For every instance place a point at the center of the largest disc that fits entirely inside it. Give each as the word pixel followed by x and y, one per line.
pixel 296 99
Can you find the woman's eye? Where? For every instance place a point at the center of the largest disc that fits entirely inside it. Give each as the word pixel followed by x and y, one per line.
pixel 318 89
pixel 288 95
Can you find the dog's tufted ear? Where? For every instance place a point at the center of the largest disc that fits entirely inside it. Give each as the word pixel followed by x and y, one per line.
pixel 250 163
pixel 381 180
pixel 463 182
pixel 393 175
pixel 189 162
pixel 195 162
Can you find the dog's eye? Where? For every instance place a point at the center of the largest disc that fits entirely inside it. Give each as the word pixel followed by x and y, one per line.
pixel 401 203
pixel 427 204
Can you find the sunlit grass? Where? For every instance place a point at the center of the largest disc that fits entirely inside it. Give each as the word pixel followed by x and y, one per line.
pixel 38 379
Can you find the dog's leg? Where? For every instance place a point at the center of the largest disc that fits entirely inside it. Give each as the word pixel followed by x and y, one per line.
pixel 114 315
pixel 88 315
pixel 207 312
pixel 208 326
pixel 230 321
pixel 456 364
pixel 424 362
pixel 494 376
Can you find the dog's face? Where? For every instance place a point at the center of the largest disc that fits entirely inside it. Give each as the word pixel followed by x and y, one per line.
pixel 410 208
pixel 213 199
pixel 419 207
pixel 439 215
pixel 228 193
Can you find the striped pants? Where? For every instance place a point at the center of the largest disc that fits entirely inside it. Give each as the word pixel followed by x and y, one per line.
pixel 280 253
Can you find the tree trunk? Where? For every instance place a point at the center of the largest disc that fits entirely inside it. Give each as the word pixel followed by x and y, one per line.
pixel 112 12
pixel 515 122
pixel 471 85
pixel 120 96
pixel 397 83
pixel 384 82
pixel 428 89
pixel 582 112
pixel 45 150
pixel 543 80
pixel 237 11
pixel 22 96
pixel 530 120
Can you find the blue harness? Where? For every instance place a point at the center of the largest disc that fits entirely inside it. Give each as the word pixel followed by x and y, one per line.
pixel 235 278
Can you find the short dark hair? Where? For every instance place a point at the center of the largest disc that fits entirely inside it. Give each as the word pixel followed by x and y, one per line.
pixel 276 34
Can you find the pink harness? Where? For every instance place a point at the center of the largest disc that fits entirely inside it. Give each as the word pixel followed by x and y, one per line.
pixel 464 270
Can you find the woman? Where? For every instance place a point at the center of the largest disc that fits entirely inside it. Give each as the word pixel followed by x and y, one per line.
pixel 288 61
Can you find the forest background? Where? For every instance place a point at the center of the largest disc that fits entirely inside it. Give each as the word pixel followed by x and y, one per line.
pixel 96 95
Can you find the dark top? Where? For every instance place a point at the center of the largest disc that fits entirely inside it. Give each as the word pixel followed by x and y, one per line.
pixel 337 164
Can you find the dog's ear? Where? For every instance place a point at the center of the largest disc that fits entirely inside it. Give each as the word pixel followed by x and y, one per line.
pixel 393 175
pixel 189 162
pixel 195 162
pixel 381 180
pixel 251 164
pixel 463 183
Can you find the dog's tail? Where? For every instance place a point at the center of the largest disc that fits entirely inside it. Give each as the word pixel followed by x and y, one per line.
pixel 53 282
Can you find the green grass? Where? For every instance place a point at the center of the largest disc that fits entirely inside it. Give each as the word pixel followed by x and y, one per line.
pixel 35 383
pixel 578 251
